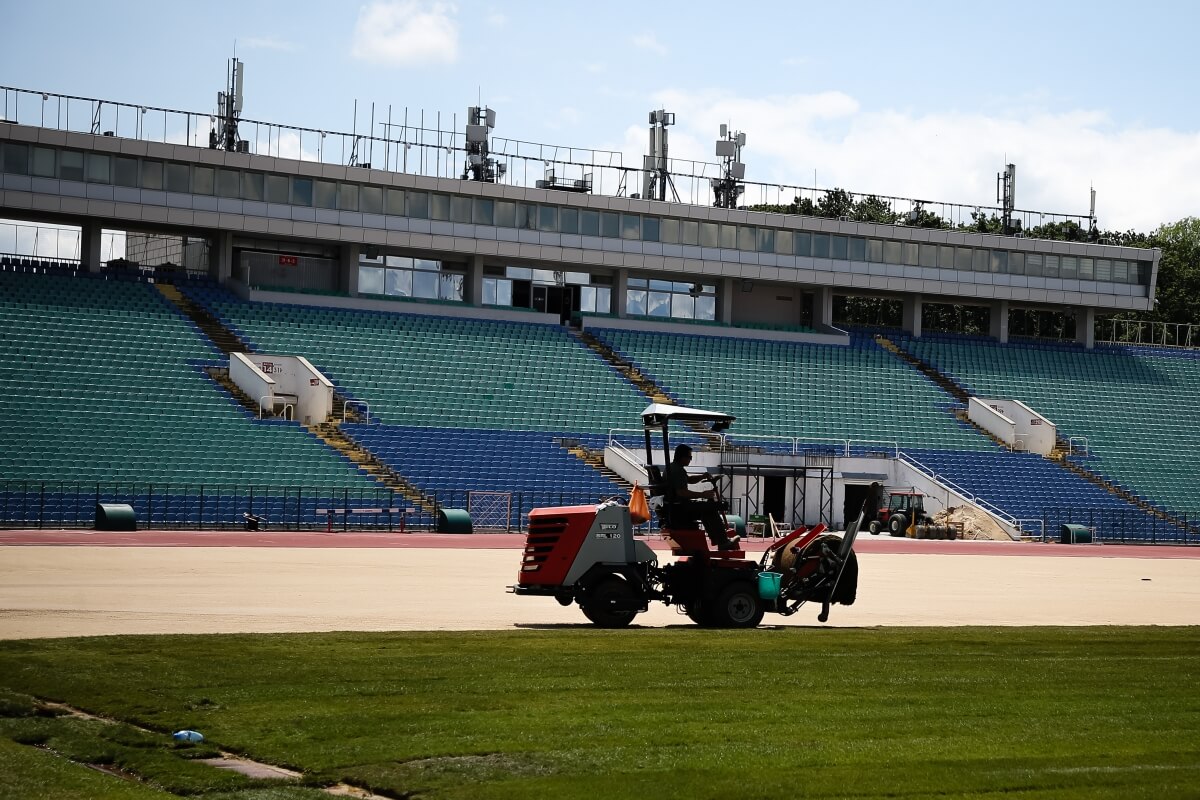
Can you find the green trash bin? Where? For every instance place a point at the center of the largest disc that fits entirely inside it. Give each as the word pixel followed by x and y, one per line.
pixel 115 517
pixel 453 520
pixel 1074 534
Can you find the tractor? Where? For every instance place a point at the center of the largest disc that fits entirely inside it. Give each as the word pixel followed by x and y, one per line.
pixel 589 555
pixel 902 510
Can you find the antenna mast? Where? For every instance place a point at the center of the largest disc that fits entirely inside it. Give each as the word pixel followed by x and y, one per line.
pixel 657 178
pixel 224 134
pixel 728 188
pixel 1006 195
pixel 479 166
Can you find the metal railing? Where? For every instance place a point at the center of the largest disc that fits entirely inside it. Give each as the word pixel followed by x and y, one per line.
pixel 1157 334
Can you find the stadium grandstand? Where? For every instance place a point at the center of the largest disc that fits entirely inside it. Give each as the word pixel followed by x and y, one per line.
pixel 489 346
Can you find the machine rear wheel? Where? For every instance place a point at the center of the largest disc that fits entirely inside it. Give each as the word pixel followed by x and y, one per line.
pixel 874 527
pixel 699 615
pixel 599 605
pixel 897 525
pixel 738 606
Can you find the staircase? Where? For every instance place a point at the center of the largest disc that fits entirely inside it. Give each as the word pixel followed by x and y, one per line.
pixel 595 460
pixel 226 340
pixel 332 435
pixel 643 383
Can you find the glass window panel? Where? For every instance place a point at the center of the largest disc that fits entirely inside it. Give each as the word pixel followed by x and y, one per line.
pixel 945 257
pixel 504 291
pixel 610 224
pixel 451 286
pixel 747 238
pixel 638 283
pixel 399 282
pixel 70 163
pixel 727 236
pixel 460 209
pixel 603 300
pixel 650 229
pixel 45 164
pixel 839 247
pixel 587 299
pixel 983 260
pixel 393 202
pixel 929 255
pixel 363 258
pixel 545 276
pixel 589 223
pixel 1087 269
pixel 820 245
pixel 302 191
pixel 370 199
pixel 483 211
pixel 347 199
pixel 1016 263
pixel 204 180
pixel 1051 266
pixel 99 166
pixel 892 252
pixel 568 220
pixel 254 186
pixel 519 273
pixel 506 214
pixel 658 304
pixel 875 250
pixel 418 205
pixel 399 261
pixel 766 240
pixel 548 218
pixel 784 243
pixel 689 232
pixel 526 216
pixel 999 261
pixel 1033 264
pixel 125 171
pixel 425 285
pixel 178 178
pixel 428 264
pixel 963 257
pixel 668 231
pixel 912 253
pixel 1103 269
pixel 489 291
pixel 635 302
pixel 631 226
pixel 1120 271
pixel 709 237
pixel 279 189
pixel 16 159
pixel 370 280
pixel 706 307
pixel 858 248
pixel 229 183
pixel 683 306
pixel 1068 267
pixel 662 286
pixel 439 206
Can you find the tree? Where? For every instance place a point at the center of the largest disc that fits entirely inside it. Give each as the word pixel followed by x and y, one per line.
pixel 1178 289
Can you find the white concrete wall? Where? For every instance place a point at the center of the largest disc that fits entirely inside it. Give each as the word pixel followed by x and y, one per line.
pixel 1021 427
pixel 988 415
pixel 284 379
pixel 247 376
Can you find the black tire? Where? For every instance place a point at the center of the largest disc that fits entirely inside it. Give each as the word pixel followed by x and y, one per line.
pixel 598 605
pixel 874 527
pixel 738 606
pixel 897 525
pixel 699 615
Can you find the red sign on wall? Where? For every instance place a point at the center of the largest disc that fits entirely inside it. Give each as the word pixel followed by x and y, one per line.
pixel 289 261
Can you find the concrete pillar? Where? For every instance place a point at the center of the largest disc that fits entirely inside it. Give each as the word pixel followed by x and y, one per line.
pixel 474 287
pixel 220 256
pixel 823 308
pixel 619 290
pixel 89 246
pixel 999 321
pixel 1085 327
pixel 912 315
pixel 725 292
pixel 348 277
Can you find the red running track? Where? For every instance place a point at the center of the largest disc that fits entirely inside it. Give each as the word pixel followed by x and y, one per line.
pixel 494 541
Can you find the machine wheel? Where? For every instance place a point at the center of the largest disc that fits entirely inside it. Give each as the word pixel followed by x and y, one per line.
pixel 598 607
pixel 699 615
pixel 897 525
pixel 874 527
pixel 738 606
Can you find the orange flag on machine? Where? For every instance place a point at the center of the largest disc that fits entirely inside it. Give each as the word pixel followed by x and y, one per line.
pixel 639 509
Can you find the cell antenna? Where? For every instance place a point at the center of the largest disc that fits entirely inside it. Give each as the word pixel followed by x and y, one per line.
pixel 1006 195
pixel 657 178
pixel 224 133
pixel 728 188
pixel 479 165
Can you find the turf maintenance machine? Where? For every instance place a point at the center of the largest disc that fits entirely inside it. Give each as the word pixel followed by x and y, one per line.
pixel 590 556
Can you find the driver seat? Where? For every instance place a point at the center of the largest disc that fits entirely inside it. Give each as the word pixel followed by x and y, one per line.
pixel 694 542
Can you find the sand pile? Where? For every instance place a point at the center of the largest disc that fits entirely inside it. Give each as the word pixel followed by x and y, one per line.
pixel 975 524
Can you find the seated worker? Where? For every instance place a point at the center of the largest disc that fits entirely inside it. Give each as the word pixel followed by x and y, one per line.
pixel 690 505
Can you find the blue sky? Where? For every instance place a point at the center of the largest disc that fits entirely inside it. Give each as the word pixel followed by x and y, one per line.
pixel 923 100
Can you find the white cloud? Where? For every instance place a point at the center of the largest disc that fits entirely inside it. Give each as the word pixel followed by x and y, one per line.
pixel 646 41
pixel 945 156
pixel 497 20
pixel 268 43
pixel 406 32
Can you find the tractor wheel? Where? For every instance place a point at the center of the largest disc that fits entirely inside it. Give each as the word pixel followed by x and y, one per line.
pixel 897 525
pixel 699 615
pixel 874 527
pixel 599 605
pixel 738 606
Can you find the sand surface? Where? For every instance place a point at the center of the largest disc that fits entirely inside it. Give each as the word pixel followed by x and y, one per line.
pixel 50 591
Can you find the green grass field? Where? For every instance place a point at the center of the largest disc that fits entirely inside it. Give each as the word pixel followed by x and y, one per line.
pixel 659 713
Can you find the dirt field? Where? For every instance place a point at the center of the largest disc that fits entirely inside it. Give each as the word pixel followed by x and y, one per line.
pixel 458 583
